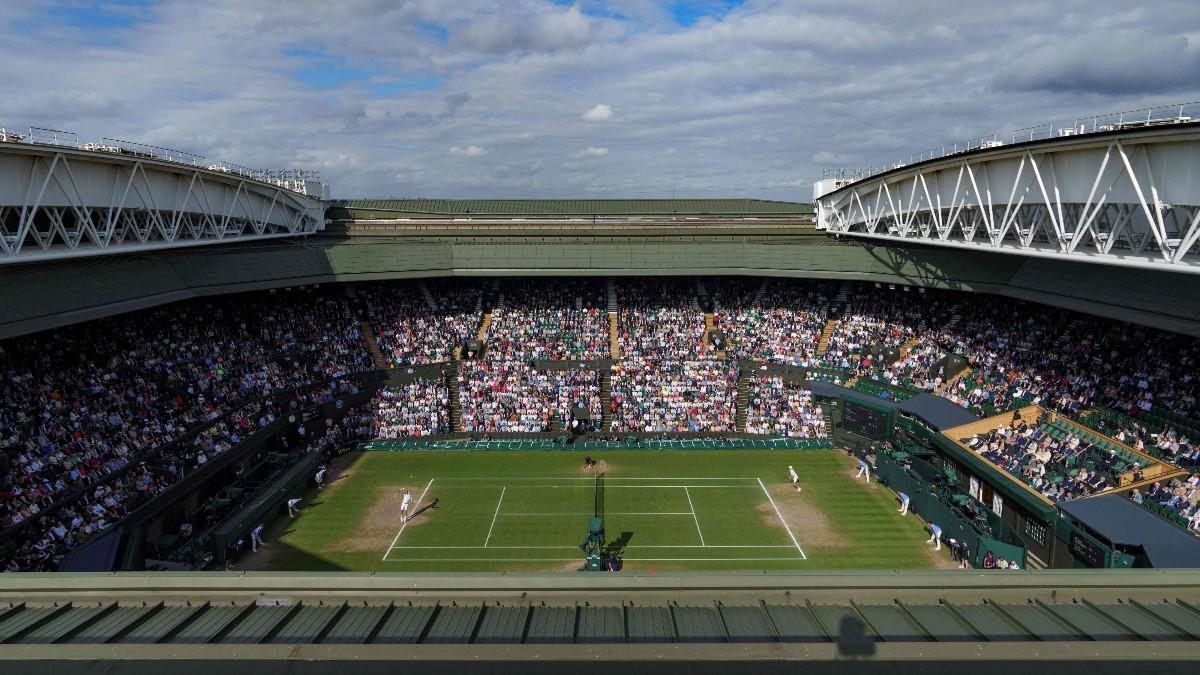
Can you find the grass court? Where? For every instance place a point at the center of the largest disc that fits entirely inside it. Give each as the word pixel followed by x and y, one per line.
pixel 663 510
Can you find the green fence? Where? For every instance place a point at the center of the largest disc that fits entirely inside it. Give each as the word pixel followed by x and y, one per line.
pixel 934 505
pixel 627 444
pixel 267 505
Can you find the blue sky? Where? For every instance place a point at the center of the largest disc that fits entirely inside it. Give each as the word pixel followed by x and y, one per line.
pixel 587 98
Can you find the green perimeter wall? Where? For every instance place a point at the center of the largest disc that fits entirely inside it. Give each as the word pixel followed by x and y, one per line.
pixel 36 297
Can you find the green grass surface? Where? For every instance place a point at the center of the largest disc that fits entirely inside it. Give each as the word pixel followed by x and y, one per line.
pixel 528 511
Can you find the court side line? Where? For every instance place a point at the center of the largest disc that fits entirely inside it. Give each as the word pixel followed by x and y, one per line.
pixel 592 478
pixel 570 546
pixel 547 560
pixel 785 525
pixel 694 518
pixel 590 513
pixel 403 525
pixel 494 515
pixel 449 483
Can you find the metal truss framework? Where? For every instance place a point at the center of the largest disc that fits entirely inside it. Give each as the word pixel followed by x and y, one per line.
pixel 60 204
pixel 1130 200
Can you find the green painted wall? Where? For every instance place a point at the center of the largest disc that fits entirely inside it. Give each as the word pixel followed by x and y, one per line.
pixel 35 297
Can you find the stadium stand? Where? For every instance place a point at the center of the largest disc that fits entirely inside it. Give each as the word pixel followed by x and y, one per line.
pixel 549 319
pixel 420 324
pixel 102 415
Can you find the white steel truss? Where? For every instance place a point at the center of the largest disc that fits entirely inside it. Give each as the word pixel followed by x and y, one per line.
pixel 64 203
pixel 1131 200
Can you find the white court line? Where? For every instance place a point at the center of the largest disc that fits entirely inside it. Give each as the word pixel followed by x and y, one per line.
pixel 553 560
pixel 608 478
pixel 494 516
pixel 573 546
pixel 694 518
pixel 449 483
pixel 416 507
pixel 785 525
pixel 606 513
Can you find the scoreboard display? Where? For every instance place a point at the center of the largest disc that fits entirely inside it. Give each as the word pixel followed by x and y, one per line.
pixel 865 420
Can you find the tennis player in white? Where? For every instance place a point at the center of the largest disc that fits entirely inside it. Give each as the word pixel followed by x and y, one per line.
pixel 405 503
pixel 795 478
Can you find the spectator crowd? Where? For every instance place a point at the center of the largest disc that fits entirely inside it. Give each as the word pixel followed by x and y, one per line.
pixel 779 408
pixel 96 418
pixel 654 395
pixel 660 319
pixel 512 396
pixel 550 320
pixel 415 329
pixel 419 408
pixel 771 319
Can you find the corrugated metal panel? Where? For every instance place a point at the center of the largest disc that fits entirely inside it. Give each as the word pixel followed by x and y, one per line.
pixel 1028 621
pixel 210 625
pixel 891 624
pixel 405 625
pixel 9 611
pixel 940 622
pixel 1185 618
pixel 259 623
pixel 649 624
pixel 843 623
pixel 1094 624
pixel 64 624
pixel 355 625
pixel 28 619
pixel 992 623
pixel 795 623
pixel 453 625
pixel 1040 623
pixel 1142 622
pixel 306 625
pixel 502 625
pixel 747 624
pixel 551 625
pixel 698 624
pixel 161 624
pixel 601 625
pixel 112 625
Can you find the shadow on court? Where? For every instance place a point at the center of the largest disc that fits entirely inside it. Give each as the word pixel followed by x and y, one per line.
pixel 431 505
pixel 617 546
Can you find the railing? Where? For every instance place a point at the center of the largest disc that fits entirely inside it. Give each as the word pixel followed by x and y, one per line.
pixel 295 180
pixel 1175 113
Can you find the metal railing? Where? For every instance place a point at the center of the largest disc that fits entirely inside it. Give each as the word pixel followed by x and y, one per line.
pixel 1175 113
pixel 295 180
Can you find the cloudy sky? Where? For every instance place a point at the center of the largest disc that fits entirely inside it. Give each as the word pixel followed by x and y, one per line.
pixel 592 98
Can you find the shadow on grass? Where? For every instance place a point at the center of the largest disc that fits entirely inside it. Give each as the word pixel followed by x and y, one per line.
pixel 280 556
pixel 617 546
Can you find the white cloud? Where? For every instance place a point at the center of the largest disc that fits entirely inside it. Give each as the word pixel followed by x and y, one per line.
pixel 468 151
pixel 746 103
pixel 943 32
pixel 598 114
pixel 593 152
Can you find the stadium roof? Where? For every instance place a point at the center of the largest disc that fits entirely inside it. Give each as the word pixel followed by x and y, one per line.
pixel 1126 524
pixel 938 412
pixel 940 617
pixel 443 208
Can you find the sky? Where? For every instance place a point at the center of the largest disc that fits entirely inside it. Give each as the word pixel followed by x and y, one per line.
pixel 588 99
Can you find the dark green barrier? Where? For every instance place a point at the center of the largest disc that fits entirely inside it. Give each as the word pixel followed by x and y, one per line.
pixel 1001 550
pixel 266 506
pixel 631 444
pixel 932 509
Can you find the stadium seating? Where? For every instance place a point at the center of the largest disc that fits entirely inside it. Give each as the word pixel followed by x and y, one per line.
pixel 106 413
